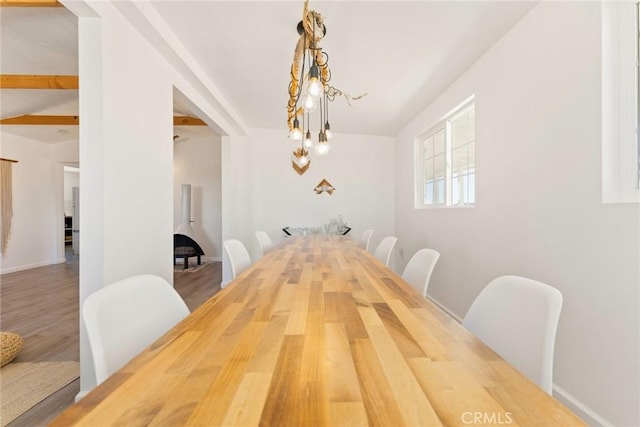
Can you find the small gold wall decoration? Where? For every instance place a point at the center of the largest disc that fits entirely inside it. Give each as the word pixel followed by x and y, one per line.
pixel 324 186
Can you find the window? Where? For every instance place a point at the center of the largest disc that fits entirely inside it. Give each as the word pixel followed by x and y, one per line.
pixel 620 99
pixel 445 161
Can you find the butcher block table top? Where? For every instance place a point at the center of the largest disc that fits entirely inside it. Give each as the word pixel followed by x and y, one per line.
pixel 317 333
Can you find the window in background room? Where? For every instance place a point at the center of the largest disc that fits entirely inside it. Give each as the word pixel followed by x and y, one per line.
pixel 445 161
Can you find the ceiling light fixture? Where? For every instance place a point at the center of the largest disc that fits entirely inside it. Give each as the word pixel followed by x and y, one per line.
pixel 317 93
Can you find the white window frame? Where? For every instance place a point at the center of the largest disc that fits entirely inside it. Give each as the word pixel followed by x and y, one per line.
pixel 620 98
pixel 419 159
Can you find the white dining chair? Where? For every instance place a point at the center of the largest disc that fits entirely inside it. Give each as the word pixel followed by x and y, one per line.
pixel 125 317
pixel 418 271
pixel 264 242
pixel 384 249
pixel 238 256
pixel 518 318
pixel 365 239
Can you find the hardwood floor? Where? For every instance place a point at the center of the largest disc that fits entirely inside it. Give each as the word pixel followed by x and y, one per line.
pixel 41 304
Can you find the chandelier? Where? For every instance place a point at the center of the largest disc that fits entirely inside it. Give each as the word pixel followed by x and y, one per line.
pixel 309 91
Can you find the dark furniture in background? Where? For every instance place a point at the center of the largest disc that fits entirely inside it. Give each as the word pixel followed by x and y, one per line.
pixel 68 221
pixel 185 247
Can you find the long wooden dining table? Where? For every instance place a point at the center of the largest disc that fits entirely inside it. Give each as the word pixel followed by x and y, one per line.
pixel 317 332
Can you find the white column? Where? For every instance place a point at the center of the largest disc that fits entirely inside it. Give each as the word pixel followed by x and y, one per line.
pixel 126 155
pixel 91 180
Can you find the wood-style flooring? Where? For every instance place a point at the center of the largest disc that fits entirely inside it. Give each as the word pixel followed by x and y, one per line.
pixel 41 304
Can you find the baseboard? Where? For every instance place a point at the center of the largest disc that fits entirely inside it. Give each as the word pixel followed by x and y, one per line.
pixel 585 413
pixel 30 266
pixel 80 395
pixel 581 410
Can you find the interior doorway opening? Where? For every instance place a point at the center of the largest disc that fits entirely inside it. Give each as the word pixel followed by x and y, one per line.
pixel 197 184
pixel 71 211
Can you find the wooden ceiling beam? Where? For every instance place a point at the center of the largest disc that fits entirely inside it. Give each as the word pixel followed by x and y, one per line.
pixel 30 3
pixel 75 120
pixel 41 120
pixel 32 81
pixel 188 121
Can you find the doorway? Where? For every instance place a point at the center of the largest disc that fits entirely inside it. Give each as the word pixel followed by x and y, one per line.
pixel 71 211
pixel 197 165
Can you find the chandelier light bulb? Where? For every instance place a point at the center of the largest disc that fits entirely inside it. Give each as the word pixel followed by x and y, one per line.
pixel 307 143
pixel 322 148
pixel 296 133
pixel 314 86
pixel 310 104
pixel 327 131
pixel 303 160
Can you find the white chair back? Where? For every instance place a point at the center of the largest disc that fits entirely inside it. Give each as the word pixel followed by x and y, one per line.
pixel 518 318
pixel 365 239
pixel 384 249
pixel 264 242
pixel 124 318
pixel 238 256
pixel 418 271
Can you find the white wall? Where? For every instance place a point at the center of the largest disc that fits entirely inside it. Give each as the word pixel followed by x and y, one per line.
pixel 126 201
pixel 197 161
pixel 539 211
pixel 37 231
pixel 360 167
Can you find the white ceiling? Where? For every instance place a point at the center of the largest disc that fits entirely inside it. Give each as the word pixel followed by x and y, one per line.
pixel 401 54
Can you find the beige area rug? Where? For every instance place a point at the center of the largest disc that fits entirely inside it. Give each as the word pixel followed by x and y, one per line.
pixel 193 266
pixel 23 385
